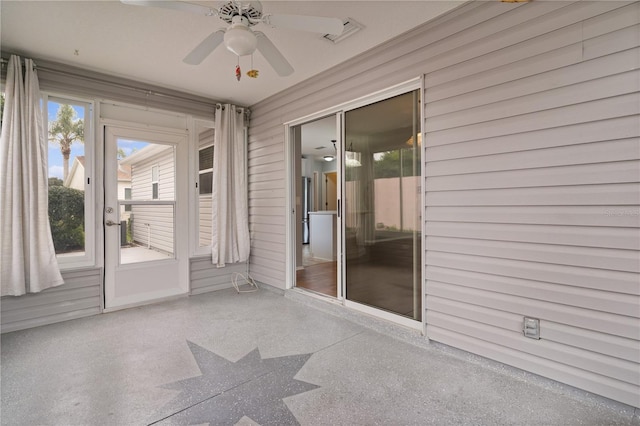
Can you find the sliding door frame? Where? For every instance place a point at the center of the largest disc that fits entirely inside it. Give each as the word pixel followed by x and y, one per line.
pixel 339 111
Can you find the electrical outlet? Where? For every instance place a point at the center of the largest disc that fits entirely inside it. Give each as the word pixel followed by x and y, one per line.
pixel 531 328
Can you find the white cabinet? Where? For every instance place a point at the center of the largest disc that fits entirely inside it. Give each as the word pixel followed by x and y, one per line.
pixel 322 237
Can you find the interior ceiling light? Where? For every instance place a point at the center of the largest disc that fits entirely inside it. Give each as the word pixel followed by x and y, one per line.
pixel 410 140
pixel 239 39
pixel 328 158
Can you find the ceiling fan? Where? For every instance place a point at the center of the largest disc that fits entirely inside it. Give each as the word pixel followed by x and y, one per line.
pixel 239 38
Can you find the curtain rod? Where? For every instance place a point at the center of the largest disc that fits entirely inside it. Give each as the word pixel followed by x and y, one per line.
pixel 148 92
pixel 4 62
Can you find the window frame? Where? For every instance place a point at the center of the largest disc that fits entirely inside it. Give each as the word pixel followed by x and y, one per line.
pixel 197 126
pixel 89 257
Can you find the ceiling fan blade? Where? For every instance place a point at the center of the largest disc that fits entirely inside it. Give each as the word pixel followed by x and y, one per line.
pixel 175 5
pixel 271 53
pixel 314 24
pixel 204 49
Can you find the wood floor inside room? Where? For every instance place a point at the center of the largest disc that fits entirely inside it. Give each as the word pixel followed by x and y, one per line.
pixel 321 278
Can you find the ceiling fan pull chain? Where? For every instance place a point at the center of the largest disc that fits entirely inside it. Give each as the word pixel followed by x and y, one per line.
pixel 252 73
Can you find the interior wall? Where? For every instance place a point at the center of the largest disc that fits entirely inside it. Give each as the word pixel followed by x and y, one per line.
pixel 532 181
pixel 79 296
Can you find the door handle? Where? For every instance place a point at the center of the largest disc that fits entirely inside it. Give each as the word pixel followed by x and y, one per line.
pixel 111 223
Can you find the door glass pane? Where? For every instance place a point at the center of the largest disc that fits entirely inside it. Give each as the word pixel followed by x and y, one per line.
pixel 147 234
pixel 382 205
pixel 146 200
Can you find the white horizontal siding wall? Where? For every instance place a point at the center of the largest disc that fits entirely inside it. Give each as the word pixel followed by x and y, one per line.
pixel 79 296
pixel 206 277
pixel 533 196
pixel 532 181
pixel 159 232
pixel 205 212
pixel 267 205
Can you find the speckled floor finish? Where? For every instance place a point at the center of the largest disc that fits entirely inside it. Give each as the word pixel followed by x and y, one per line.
pixel 261 358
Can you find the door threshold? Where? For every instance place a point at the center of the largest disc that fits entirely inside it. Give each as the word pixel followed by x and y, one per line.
pixel 410 334
pixel 316 294
pixel 385 315
pixel 145 302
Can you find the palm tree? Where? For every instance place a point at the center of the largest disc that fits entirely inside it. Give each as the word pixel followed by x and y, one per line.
pixel 66 130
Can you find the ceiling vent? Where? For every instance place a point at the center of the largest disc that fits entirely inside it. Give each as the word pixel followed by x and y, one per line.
pixel 350 28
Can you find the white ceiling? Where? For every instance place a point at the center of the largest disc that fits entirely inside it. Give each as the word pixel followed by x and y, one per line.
pixel 148 43
pixel 317 137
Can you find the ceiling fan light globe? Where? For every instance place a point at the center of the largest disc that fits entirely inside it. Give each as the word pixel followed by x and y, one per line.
pixel 240 40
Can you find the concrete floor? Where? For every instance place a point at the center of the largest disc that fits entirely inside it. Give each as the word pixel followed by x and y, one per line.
pixel 260 358
pixel 138 254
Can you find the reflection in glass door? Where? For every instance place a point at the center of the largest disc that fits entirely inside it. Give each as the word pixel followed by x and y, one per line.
pixel 382 205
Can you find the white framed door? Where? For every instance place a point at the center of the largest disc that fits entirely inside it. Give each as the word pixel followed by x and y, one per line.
pixel 382 265
pixel 312 147
pixel 145 219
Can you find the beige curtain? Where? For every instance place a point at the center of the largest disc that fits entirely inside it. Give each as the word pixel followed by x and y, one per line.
pixel 230 230
pixel 27 256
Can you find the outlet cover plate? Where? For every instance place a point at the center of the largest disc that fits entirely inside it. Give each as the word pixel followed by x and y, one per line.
pixel 531 328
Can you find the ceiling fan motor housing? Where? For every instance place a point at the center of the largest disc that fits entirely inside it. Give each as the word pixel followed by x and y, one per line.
pixel 251 10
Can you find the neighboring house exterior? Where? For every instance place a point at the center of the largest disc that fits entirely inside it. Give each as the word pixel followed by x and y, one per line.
pixel 205 186
pixel 530 195
pixel 76 180
pixel 152 178
pixel 152 173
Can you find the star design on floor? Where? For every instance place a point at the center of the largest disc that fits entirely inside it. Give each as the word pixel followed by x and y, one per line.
pixel 227 391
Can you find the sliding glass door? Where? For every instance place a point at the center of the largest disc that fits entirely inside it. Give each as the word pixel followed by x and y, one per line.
pixel 382 205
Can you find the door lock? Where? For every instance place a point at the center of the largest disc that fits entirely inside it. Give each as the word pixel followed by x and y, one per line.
pixel 111 223
pixel 109 210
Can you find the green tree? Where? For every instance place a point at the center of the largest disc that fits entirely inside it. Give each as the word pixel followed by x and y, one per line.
pixel 122 154
pixel 64 131
pixel 66 217
pixel 54 181
pixel 389 164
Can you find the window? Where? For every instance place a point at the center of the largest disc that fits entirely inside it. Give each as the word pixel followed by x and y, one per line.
pixel 205 170
pixel 154 182
pixel 70 160
pixel 203 173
